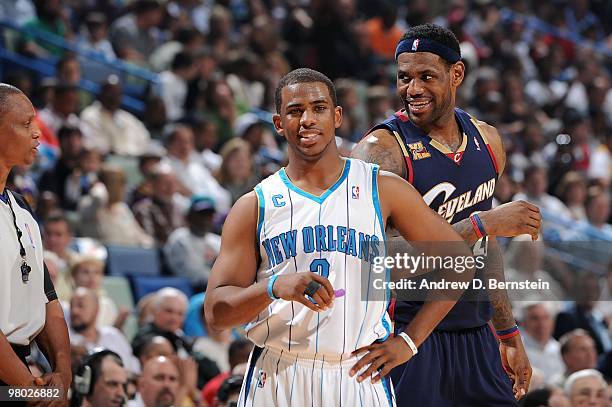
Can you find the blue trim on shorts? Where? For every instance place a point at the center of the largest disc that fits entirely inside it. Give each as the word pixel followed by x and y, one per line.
pixel 254 357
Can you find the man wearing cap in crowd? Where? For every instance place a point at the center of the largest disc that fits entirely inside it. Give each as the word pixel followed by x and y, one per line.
pixel 192 250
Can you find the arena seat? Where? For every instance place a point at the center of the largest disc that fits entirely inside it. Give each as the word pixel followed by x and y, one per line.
pixel 118 289
pixel 123 261
pixel 143 285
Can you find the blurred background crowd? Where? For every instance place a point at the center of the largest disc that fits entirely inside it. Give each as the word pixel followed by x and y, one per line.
pixel 156 117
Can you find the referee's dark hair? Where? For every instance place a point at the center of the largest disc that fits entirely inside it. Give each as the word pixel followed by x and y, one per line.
pixel 303 75
pixel 6 91
pixel 434 32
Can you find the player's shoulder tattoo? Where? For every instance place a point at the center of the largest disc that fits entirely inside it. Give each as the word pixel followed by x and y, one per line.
pixel 380 147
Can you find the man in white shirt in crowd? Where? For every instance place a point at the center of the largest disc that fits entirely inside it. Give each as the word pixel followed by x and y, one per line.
pixel 111 128
pixel 83 330
pixel 173 84
pixel 63 109
pixel 535 185
pixel 194 177
pixel 543 350
pixel 192 250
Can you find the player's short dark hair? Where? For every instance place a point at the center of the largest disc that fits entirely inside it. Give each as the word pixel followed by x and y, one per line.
pixel 303 75
pixel 436 33
pixel 6 91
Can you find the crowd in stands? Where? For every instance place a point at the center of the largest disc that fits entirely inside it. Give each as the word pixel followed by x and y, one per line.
pixel 164 177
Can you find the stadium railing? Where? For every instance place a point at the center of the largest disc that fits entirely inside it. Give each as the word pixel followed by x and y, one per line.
pixel 137 81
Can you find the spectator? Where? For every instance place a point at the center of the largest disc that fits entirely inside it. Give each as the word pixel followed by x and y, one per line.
pixel 383 32
pixel 236 174
pixel 229 392
pixel 551 397
pixel 586 387
pixel 49 19
pixel 105 216
pixel 598 211
pixel 215 345
pixel 88 272
pixel 108 380
pixel 525 260
pixel 601 162
pixel 135 35
pixel 155 346
pixel 96 35
pixel 543 350
pixel 167 316
pixel 573 192
pixel 195 178
pixel 111 128
pixel 54 180
pixel 192 250
pixel 205 141
pixel 160 214
pixel 83 177
pixel 68 70
pixel 160 346
pixel 63 109
pixel 84 308
pixel 535 185
pixel 57 237
pixel 185 39
pixel 147 163
pixel 59 278
pixel 159 384
pixel 578 352
pixel 583 314
pixel 239 352
pixel 173 84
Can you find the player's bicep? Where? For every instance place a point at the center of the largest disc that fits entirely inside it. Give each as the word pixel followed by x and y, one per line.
pixel 237 261
pixel 408 213
pixel 380 147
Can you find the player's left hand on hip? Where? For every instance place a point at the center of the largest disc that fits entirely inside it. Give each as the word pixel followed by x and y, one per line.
pixel 517 366
pixel 381 358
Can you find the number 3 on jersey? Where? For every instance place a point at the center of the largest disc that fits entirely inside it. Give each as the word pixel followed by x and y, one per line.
pixel 321 267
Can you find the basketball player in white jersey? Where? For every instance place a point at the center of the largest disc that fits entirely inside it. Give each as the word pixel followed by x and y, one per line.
pixel 292 257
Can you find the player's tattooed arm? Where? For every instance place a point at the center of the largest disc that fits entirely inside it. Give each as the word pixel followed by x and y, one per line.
pixel 380 147
pixel 513 354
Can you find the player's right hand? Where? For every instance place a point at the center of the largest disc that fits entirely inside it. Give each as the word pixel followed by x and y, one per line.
pixel 291 287
pixel 512 219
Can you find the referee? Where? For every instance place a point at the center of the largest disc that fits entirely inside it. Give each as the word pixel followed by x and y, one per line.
pixel 29 309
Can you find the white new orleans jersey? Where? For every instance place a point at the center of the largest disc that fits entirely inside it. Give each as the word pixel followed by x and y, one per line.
pixel 335 235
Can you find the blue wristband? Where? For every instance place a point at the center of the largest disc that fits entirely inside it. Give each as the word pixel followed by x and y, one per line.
pixel 479 223
pixel 271 286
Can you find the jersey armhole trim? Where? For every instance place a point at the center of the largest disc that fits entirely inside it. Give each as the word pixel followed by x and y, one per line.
pixel 486 140
pixel 376 199
pixel 409 170
pixel 261 210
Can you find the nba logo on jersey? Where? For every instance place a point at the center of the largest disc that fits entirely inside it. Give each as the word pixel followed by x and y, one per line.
pixel 415 44
pixel 355 192
pixel 261 379
pixel 477 144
